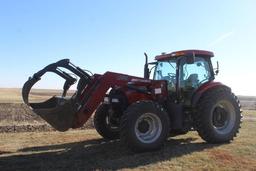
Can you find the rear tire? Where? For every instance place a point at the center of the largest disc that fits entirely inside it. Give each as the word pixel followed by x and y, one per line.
pixel 144 126
pixel 102 124
pixel 218 116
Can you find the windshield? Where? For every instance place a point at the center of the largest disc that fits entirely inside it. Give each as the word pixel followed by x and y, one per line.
pixel 166 70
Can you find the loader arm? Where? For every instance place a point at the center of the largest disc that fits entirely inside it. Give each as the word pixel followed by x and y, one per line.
pixel 93 95
pixel 64 112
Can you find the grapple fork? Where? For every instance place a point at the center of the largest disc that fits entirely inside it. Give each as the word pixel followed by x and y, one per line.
pixel 59 112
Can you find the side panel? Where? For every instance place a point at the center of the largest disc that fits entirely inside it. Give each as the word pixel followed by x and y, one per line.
pixel 134 96
pixel 203 89
pixel 158 92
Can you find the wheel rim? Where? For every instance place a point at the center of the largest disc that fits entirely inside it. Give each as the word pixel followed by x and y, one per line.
pixel 110 124
pixel 223 117
pixel 148 128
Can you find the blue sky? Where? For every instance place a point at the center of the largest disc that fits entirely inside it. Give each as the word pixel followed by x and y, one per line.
pixel 112 35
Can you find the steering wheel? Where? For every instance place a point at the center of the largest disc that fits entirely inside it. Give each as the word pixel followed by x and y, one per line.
pixel 171 74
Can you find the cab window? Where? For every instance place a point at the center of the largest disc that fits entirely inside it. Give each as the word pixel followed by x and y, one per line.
pixel 195 74
pixel 166 70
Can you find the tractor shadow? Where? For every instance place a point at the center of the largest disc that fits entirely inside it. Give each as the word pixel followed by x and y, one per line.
pixel 96 154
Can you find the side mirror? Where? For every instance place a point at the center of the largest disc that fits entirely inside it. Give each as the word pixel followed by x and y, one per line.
pixel 146 69
pixel 216 70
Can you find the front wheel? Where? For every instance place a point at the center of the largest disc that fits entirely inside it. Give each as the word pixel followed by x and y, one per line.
pixel 104 124
pixel 144 126
pixel 218 116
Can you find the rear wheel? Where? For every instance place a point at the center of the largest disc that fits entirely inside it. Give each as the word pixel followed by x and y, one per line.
pixel 218 117
pixel 144 126
pixel 105 124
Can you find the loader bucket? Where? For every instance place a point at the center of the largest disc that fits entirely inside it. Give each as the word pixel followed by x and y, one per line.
pixel 59 112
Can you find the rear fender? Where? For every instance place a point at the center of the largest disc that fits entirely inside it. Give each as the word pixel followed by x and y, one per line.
pixel 204 88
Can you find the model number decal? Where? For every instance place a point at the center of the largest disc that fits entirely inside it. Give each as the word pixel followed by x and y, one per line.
pixel 158 91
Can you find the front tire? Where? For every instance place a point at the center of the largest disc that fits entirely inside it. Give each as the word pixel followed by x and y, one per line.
pixel 218 116
pixel 144 126
pixel 103 124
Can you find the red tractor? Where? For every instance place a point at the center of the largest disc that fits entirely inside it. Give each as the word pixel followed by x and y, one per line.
pixel 143 112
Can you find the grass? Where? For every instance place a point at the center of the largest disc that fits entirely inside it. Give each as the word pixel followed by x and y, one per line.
pixel 249 113
pixel 85 150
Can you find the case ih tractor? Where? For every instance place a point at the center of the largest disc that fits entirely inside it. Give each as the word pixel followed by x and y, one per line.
pixel 143 112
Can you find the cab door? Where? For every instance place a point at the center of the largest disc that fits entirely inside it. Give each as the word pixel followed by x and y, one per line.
pixel 192 75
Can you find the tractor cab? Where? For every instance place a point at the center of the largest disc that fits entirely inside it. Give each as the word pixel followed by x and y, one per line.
pixel 185 72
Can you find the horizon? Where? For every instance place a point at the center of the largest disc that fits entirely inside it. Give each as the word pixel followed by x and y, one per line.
pixel 112 36
pixel 52 89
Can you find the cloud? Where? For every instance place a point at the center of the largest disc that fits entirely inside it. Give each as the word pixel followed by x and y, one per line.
pixel 221 38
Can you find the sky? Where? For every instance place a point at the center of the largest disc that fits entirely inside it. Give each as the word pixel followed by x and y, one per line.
pixel 113 35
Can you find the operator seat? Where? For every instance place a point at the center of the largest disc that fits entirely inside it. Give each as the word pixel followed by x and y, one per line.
pixel 192 81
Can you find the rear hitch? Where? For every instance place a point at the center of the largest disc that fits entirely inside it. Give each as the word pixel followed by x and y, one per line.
pixel 59 112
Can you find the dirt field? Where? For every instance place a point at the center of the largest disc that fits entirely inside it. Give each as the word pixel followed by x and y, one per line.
pixel 248 102
pixel 28 143
pixel 16 117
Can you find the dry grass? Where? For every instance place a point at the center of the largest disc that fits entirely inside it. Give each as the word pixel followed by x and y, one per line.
pixel 249 113
pixel 13 95
pixel 10 95
pixel 85 150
